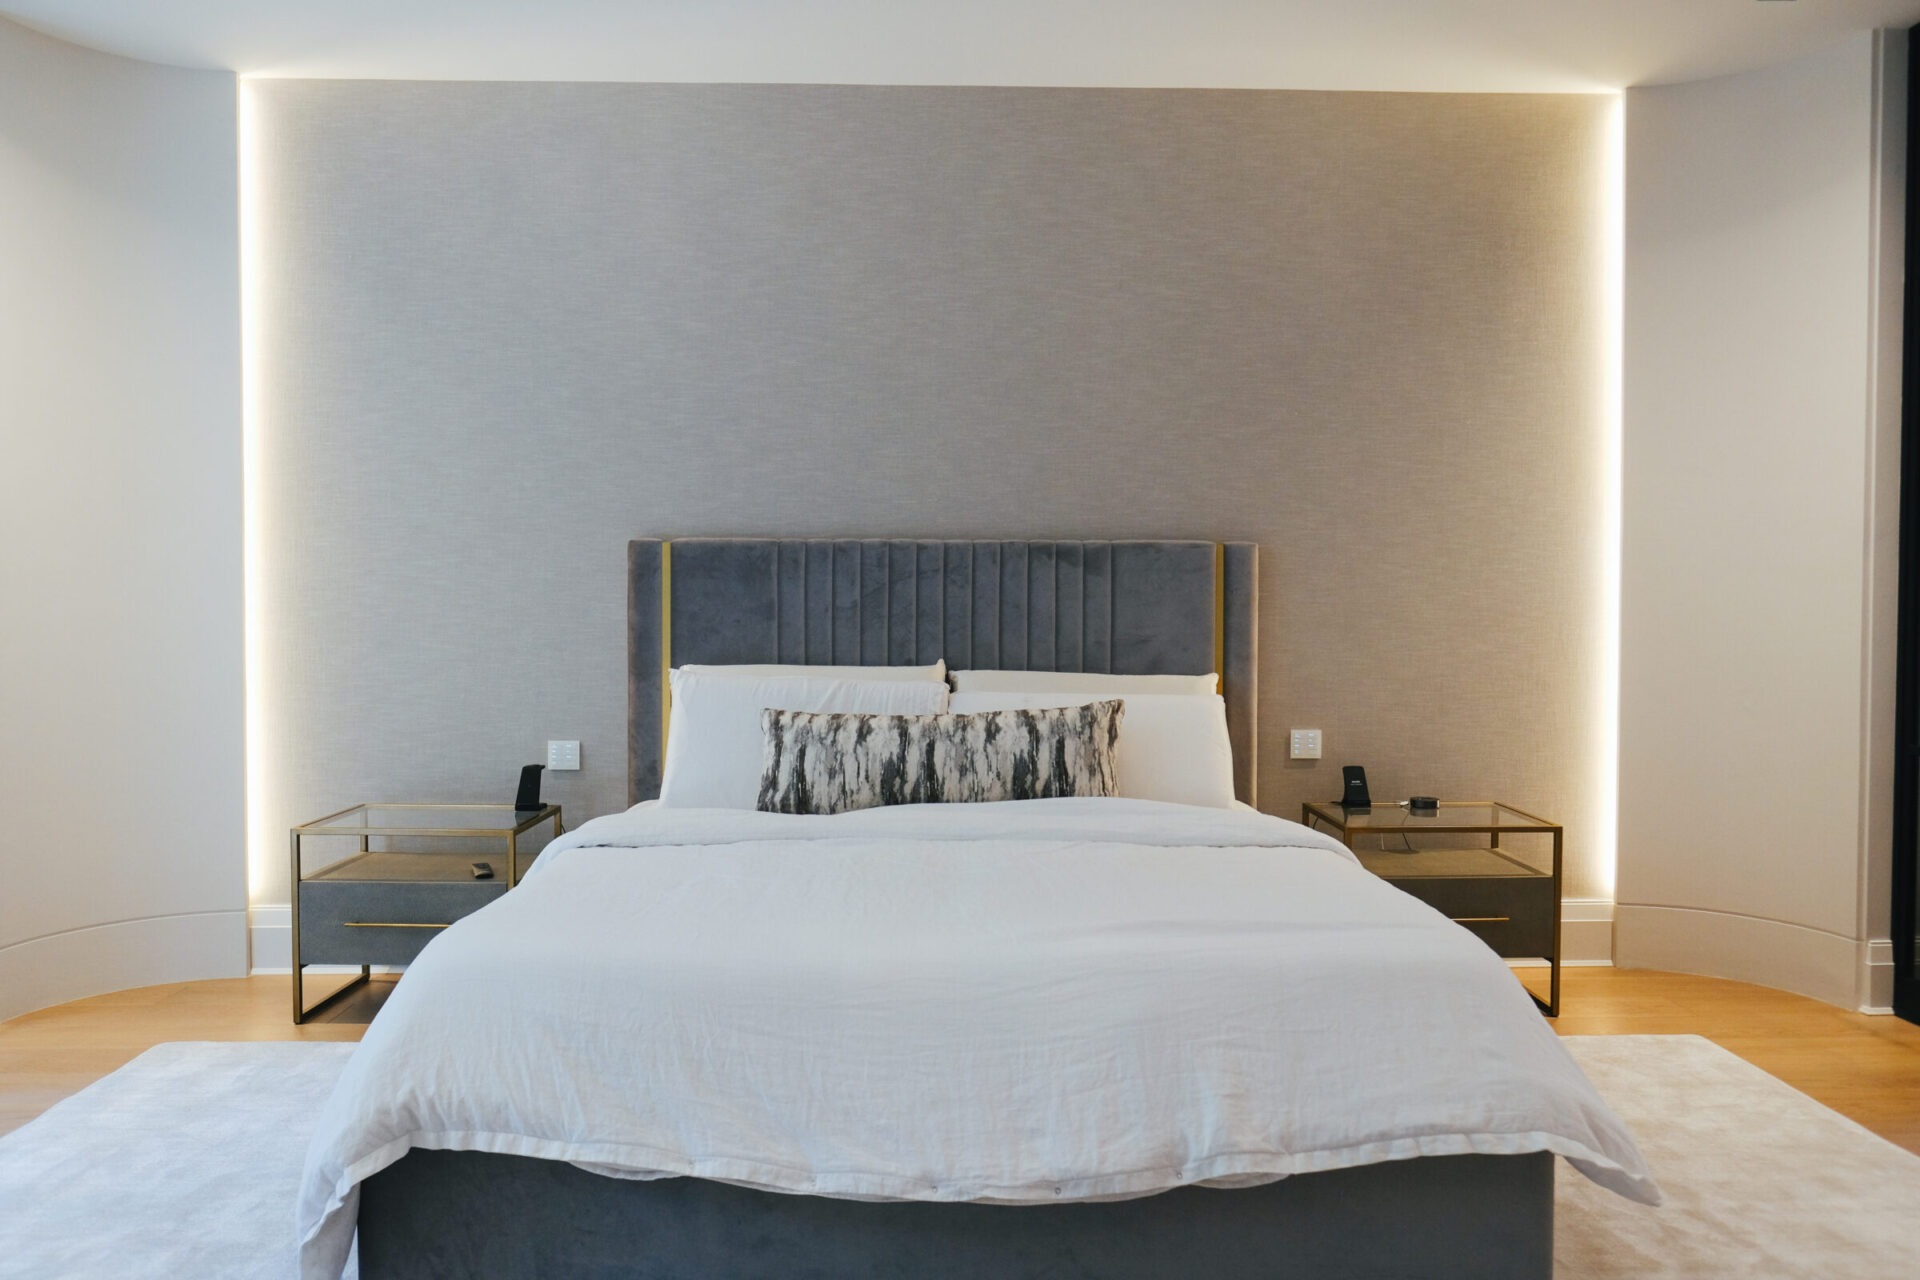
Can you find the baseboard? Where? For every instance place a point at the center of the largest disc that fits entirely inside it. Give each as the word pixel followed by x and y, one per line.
pixel 1876 976
pixel 1719 944
pixel 1586 931
pixel 97 959
pixel 1586 935
pixel 270 938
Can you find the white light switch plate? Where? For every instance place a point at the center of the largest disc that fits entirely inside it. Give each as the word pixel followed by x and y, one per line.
pixel 1305 744
pixel 563 755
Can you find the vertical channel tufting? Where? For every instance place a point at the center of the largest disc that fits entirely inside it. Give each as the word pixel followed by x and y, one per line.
pixel 1070 606
pixel 818 601
pixel 1096 612
pixel 875 586
pixel 936 638
pixel 846 604
pixel 900 610
pixel 985 588
pixel 1013 606
pixel 790 614
pixel 929 602
pixel 647 613
pixel 774 587
pixel 956 603
pixel 1043 600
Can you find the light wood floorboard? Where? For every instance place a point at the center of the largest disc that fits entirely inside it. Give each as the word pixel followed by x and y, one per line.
pixel 1864 1067
pixel 48 1054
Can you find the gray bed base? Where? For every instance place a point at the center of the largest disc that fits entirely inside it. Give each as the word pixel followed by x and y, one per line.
pixel 1128 607
pixel 464 1214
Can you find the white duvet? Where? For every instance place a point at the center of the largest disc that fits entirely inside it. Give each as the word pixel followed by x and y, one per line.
pixel 1032 1001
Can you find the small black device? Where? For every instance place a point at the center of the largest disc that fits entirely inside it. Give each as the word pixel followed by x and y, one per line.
pixel 1354 794
pixel 483 871
pixel 528 798
pixel 1428 805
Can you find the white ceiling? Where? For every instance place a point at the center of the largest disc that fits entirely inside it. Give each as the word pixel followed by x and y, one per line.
pixel 1433 45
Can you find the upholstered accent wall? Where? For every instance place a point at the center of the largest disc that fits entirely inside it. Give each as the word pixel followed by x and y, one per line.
pixel 508 327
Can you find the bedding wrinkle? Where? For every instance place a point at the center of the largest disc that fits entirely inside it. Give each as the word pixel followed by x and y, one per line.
pixel 1057 999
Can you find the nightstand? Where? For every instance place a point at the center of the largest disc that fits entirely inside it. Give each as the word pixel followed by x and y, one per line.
pixel 389 894
pixel 1508 896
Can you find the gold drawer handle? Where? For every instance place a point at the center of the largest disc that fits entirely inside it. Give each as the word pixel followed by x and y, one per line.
pixel 1482 919
pixel 390 924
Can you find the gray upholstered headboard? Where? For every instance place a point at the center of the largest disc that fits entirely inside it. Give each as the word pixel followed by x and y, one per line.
pixel 1139 608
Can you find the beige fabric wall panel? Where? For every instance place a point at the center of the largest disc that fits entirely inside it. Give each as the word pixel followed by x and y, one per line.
pixel 509 326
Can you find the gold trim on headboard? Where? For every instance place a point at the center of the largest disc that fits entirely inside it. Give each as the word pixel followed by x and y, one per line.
pixel 666 644
pixel 1220 617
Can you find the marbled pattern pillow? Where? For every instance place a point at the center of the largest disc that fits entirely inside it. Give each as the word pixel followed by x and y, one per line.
pixel 830 762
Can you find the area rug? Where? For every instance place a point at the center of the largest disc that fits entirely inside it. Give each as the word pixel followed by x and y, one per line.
pixel 1760 1179
pixel 185 1163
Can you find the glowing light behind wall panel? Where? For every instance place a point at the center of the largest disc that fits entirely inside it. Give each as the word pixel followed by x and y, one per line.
pixel 260 843
pixel 1613 201
pixel 264 845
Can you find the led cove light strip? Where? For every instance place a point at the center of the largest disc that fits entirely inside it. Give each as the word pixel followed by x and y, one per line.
pixel 259 839
pixel 1613 221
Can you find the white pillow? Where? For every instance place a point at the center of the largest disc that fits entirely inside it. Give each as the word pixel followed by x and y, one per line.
pixel 1173 746
pixel 938 671
pixel 1082 684
pixel 714 742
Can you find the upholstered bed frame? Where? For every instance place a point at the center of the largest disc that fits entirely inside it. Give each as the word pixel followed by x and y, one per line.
pixel 1130 607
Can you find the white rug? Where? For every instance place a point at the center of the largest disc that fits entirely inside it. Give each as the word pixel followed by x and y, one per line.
pixel 184 1164
pixel 1760 1179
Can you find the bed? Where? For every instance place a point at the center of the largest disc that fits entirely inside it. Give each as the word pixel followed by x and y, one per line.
pixel 1073 1037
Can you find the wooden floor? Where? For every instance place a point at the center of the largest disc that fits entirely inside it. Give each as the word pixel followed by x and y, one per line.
pixel 1865 1067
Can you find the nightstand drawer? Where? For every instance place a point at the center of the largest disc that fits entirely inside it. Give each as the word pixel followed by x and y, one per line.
pixel 381 922
pixel 1513 914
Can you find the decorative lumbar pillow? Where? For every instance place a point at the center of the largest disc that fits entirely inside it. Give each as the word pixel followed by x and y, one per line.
pixel 833 762
pixel 1175 746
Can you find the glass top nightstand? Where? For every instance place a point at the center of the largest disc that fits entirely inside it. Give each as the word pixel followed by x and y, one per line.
pixel 410 871
pixel 401 825
pixel 1507 895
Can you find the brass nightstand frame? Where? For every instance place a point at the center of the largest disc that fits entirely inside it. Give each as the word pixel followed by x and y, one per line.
pixel 320 827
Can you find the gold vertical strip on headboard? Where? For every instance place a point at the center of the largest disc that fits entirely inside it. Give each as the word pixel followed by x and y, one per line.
pixel 1220 616
pixel 666 644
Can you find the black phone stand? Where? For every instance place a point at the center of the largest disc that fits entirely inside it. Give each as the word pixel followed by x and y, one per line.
pixel 1354 794
pixel 527 799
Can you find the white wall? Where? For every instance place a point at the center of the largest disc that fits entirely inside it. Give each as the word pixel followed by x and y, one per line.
pixel 1759 490
pixel 121 860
